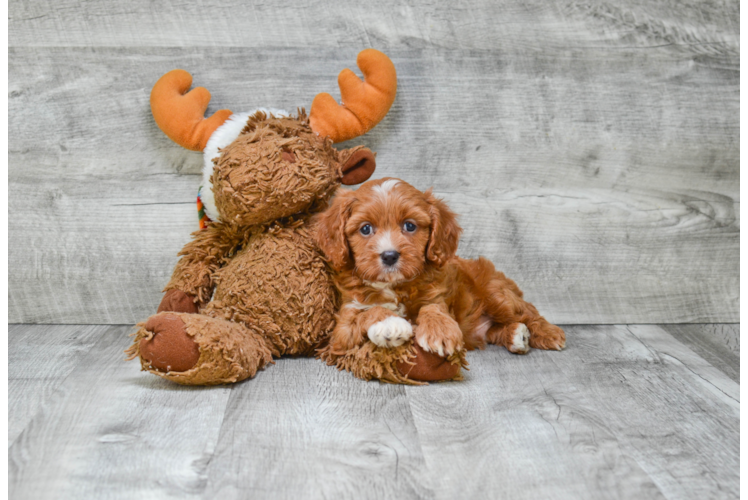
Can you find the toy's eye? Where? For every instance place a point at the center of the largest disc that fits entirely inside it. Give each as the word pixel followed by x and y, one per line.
pixel 365 229
pixel 288 155
pixel 409 227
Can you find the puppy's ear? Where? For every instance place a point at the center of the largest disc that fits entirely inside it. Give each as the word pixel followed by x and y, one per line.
pixel 445 232
pixel 329 229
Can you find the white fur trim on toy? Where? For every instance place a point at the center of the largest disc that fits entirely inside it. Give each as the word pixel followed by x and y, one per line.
pixel 222 137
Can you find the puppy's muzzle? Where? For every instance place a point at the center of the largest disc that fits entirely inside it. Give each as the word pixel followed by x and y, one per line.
pixel 390 257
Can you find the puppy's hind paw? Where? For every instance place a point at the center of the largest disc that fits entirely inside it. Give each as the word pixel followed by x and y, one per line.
pixel 520 339
pixel 391 332
pixel 549 337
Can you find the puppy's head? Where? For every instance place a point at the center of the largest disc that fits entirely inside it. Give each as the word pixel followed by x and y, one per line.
pixel 387 231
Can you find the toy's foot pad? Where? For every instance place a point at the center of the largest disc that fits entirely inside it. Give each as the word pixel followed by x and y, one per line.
pixel 428 367
pixel 169 348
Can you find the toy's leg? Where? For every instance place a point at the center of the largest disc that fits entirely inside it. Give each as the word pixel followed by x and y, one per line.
pixel 194 349
pixel 429 367
pixel 405 364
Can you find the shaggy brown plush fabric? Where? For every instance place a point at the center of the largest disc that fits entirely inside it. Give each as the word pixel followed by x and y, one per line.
pixel 429 367
pixel 407 364
pixel 255 281
pixel 279 284
pixel 253 284
pixel 229 352
pixel 254 184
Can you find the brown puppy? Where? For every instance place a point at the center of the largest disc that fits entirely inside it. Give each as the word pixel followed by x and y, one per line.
pixel 392 248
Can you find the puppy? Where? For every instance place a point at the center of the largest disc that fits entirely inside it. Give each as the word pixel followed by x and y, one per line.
pixel 392 249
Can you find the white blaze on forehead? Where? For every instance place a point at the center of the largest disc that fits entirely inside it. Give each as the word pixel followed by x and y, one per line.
pixel 385 187
pixel 384 242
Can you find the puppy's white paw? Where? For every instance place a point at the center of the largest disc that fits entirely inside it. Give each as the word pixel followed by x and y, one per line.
pixel 391 332
pixel 520 340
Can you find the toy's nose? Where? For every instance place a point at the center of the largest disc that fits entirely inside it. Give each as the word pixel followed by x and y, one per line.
pixel 390 257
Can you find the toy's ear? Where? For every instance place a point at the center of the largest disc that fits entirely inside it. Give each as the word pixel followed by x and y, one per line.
pixel 329 229
pixel 357 165
pixel 445 232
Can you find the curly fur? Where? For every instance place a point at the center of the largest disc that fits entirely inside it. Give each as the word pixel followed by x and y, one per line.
pixel 454 304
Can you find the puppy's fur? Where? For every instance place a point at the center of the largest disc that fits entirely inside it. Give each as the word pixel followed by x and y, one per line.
pixel 453 303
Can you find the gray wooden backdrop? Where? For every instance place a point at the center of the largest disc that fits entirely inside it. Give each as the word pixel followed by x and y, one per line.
pixel 591 148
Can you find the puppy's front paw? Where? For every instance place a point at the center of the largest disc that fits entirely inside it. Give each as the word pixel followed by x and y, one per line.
pixel 391 332
pixel 443 338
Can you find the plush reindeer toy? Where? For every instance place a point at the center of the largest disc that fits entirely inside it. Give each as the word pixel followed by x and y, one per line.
pixel 252 283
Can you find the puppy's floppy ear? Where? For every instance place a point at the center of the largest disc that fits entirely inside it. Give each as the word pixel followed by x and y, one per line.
pixel 329 229
pixel 445 232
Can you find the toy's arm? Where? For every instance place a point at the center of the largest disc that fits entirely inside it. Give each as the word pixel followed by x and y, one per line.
pixel 191 284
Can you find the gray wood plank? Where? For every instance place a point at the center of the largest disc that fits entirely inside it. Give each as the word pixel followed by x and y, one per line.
pixel 623 412
pixel 109 431
pixel 743 460
pixel 302 429
pixel 39 360
pixel 604 181
pixel 718 344
pixel 706 27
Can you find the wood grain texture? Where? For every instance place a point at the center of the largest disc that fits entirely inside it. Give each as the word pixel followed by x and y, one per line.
pixel 743 459
pixel 110 432
pixel 605 182
pixel 592 148
pixel 623 412
pixel 40 361
pixel 709 28
pixel 718 344
pixel 303 429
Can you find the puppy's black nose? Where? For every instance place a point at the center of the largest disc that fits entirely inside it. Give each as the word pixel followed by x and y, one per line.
pixel 390 257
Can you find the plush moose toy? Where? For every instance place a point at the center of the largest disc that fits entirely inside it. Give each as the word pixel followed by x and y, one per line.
pixel 252 284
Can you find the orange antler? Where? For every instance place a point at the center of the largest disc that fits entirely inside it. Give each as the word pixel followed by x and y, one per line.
pixel 364 103
pixel 181 114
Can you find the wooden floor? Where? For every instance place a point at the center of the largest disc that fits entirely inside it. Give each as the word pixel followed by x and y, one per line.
pixel 626 411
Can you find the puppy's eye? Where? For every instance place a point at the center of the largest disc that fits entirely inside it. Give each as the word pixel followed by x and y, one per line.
pixel 409 227
pixel 365 229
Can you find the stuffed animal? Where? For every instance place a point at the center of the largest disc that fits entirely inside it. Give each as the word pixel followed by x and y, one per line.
pixel 252 284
